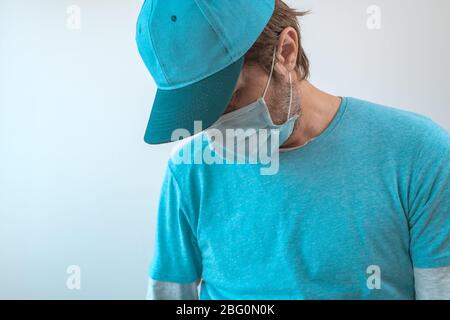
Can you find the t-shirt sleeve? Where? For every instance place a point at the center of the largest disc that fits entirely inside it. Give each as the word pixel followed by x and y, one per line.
pixel 176 257
pixel 432 284
pixel 429 200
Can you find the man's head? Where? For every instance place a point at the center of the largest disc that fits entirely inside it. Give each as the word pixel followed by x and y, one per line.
pixel 196 50
pixel 282 34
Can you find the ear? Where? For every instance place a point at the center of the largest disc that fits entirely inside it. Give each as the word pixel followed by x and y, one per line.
pixel 287 53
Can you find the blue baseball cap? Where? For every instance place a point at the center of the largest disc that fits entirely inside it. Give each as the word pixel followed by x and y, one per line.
pixel 194 50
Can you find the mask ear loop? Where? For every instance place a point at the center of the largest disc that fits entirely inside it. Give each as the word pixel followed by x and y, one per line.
pixel 270 77
pixel 290 97
pixel 271 73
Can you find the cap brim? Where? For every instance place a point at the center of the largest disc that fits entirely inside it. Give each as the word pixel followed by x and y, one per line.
pixel 203 101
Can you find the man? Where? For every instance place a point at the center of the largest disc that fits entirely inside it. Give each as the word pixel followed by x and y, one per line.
pixel 358 207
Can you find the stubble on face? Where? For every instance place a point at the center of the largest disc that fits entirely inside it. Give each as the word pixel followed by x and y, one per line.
pixel 277 100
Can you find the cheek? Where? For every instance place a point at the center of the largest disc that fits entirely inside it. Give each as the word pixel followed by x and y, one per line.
pixel 278 102
pixel 252 91
pixel 249 96
pixel 250 88
pixel 242 98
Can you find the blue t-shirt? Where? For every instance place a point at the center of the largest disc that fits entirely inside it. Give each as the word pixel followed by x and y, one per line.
pixel 348 216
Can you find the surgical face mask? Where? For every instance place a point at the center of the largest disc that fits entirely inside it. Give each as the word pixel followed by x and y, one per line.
pixel 250 131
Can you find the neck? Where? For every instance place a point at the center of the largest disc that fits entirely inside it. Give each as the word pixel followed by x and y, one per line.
pixel 317 112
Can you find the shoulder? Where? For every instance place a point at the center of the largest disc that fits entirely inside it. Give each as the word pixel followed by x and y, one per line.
pixel 397 126
pixel 389 117
pixel 189 151
pixel 186 158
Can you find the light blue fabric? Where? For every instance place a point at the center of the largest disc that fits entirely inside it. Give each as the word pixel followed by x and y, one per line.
pixel 372 190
